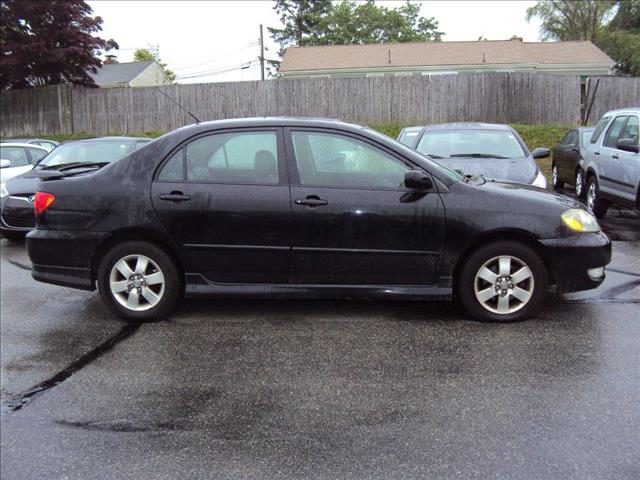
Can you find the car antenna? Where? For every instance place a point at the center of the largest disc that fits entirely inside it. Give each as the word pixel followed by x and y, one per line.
pixel 180 106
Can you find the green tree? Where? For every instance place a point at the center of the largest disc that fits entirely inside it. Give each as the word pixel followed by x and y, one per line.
pixel 144 55
pixel 612 25
pixel 320 22
pixel 49 42
pixel 570 19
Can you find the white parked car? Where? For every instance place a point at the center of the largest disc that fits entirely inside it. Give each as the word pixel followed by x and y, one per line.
pixel 17 158
pixel 612 162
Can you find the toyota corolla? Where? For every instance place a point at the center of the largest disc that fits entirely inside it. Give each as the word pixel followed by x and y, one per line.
pixel 305 208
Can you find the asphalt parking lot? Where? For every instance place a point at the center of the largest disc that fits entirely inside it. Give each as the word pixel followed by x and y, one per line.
pixel 322 389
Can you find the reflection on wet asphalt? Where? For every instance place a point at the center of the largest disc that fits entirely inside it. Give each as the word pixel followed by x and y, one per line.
pixel 320 389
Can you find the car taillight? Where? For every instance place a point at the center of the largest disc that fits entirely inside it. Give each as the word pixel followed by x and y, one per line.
pixel 43 201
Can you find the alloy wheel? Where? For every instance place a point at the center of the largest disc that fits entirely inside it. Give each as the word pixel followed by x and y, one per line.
pixel 554 175
pixel 137 282
pixel 579 181
pixel 504 284
pixel 591 196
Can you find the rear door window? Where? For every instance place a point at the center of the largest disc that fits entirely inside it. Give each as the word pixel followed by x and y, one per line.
pixel 408 136
pixel 614 131
pixel 238 157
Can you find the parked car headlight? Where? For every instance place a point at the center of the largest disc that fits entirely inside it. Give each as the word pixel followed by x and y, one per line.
pixel 3 190
pixel 540 180
pixel 580 220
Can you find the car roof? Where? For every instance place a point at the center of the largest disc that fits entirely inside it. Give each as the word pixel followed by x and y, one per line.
pixel 109 139
pixel 271 122
pixel 17 144
pixel 619 111
pixel 463 126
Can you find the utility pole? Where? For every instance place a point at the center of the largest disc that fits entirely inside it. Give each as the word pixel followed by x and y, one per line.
pixel 261 54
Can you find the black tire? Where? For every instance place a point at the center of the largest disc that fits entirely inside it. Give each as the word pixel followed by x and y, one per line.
pixel 556 183
pixel 17 237
pixel 520 253
pixel 169 294
pixel 597 205
pixel 579 183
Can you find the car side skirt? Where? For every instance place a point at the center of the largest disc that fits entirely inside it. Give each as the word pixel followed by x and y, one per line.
pixel 196 286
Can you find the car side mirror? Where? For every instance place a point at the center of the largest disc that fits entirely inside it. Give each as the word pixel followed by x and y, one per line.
pixel 4 163
pixel 417 180
pixel 628 145
pixel 540 152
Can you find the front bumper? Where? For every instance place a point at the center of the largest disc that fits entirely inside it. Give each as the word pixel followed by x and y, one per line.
pixel 62 257
pixel 573 260
pixel 16 213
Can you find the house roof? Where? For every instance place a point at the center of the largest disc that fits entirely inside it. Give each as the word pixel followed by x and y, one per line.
pixel 119 73
pixel 391 55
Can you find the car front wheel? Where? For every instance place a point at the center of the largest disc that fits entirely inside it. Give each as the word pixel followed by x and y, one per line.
pixel 139 282
pixel 595 203
pixel 580 183
pixel 555 177
pixel 502 281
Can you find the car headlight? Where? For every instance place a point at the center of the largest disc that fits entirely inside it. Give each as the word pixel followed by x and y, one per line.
pixel 580 220
pixel 3 190
pixel 540 181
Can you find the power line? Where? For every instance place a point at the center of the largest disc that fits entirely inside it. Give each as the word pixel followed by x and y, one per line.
pixel 248 45
pixel 209 73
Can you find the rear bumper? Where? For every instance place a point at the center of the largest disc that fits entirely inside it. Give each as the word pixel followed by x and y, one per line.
pixel 572 260
pixel 62 257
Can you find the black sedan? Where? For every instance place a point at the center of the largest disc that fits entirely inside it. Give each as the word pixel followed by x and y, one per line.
pixel 305 208
pixel 567 159
pixel 16 201
pixel 491 150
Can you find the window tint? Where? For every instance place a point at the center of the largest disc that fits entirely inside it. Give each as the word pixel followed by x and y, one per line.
pixel 17 155
pixel 586 136
pixel 241 157
pixel 599 128
pixel 36 154
pixel 631 129
pixel 173 170
pixel 326 159
pixel 614 132
pixel 573 139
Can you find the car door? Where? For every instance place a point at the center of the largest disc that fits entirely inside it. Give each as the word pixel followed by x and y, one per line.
pixel 626 165
pixel 608 157
pixel 571 157
pixel 354 222
pixel 224 198
pixel 560 154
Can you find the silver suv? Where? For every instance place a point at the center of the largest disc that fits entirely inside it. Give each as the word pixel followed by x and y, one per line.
pixel 612 163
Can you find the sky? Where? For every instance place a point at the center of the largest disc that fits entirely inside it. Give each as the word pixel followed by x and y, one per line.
pixel 217 41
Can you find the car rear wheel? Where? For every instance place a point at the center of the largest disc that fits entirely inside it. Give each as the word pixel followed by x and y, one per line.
pixel 555 177
pixel 502 281
pixel 595 203
pixel 139 282
pixel 580 183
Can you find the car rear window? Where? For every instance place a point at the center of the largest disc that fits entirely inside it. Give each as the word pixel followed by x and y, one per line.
pixel 88 152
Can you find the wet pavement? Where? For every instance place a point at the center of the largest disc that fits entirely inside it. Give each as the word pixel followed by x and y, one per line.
pixel 321 389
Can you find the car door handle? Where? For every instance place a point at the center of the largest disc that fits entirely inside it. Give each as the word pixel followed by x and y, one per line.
pixel 175 197
pixel 614 156
pixel 596 153
pixel 311 201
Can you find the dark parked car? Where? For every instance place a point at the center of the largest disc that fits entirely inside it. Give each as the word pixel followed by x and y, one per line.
pixel 487 149
pixel 305 208
pixel 567 157
pixel 16 202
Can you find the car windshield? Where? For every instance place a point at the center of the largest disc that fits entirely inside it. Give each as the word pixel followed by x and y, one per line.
pixel 471 143
pixel 88 152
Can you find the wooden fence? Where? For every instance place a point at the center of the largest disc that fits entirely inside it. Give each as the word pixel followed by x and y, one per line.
pixel 488 97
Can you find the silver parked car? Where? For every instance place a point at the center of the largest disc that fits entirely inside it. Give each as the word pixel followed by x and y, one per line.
pixel 612 163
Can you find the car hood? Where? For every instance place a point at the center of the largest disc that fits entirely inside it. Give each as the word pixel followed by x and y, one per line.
pixel 521 170
pixel 7 174
pixel 529 194
pixel 23 184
